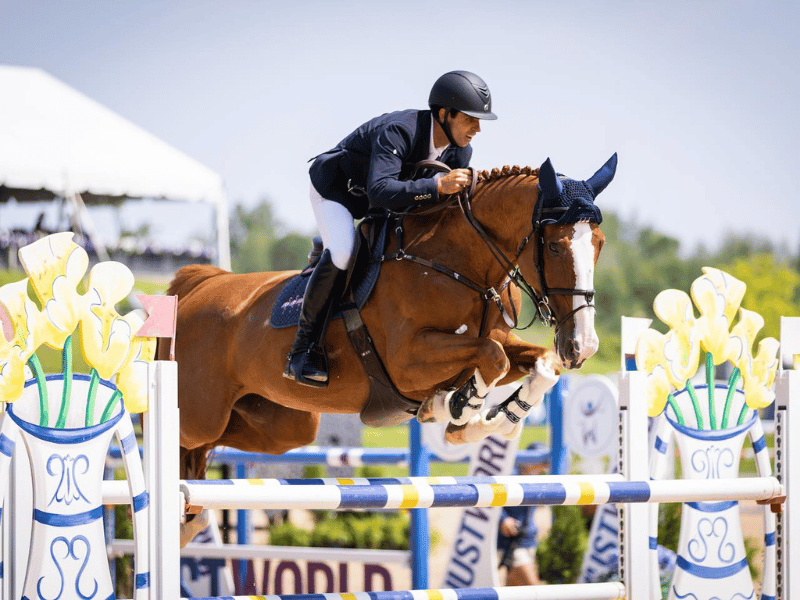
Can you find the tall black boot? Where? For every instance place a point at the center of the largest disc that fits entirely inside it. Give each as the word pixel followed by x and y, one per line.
pixel 307 363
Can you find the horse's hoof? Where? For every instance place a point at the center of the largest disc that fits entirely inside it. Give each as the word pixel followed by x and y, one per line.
pixel 465 434
pixel 193 527
pixel 433 409
pixel 544 377
pixel 456 434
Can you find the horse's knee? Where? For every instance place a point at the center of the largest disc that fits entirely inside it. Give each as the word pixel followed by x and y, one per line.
pixel 495 363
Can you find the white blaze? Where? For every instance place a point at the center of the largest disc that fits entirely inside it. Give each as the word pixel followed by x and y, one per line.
pixel 583 256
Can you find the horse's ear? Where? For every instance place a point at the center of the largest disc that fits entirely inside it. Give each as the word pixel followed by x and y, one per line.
pixel 604 175
pixel 549 181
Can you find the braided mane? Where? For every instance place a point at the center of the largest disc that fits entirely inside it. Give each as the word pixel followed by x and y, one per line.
pixel 506 171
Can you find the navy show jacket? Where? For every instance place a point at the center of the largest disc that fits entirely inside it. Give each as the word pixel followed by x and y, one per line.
pixel 379 157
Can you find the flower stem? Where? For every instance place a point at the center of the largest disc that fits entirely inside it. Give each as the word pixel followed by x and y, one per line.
pixel 111 405
pixel 41 384
pixel 732 381
pixel 66 390
pixel 743 414
pixel 695 404
pixel 678 414
pixel 712 413
pixel 91 397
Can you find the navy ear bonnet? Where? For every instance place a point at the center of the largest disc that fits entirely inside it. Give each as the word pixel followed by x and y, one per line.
pixel 576 196
pixel 579 200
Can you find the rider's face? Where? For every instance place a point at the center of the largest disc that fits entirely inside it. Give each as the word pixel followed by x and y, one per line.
pixel 463 128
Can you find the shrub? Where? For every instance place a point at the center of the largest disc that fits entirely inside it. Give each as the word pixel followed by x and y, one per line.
pixel 560 554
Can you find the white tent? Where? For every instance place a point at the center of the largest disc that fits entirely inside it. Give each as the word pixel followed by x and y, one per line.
pixel 54 141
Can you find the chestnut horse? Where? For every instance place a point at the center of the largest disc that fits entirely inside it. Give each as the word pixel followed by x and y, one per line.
pixel 431 330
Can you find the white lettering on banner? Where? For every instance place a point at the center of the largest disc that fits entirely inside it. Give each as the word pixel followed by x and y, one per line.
pixel 473 558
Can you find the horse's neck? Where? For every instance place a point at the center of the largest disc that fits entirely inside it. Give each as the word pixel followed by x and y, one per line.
pixel 504 208
pixel 448 237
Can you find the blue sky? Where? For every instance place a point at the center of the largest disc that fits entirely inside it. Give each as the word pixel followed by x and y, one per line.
pixel 698 98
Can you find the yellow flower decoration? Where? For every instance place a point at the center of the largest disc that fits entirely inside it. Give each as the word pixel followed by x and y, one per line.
pixel 26 324
pixel 743 335
pixel 650 359
pixel 672 359
pixel 758 374
pixel 681 343
pixel 106 337
pixel 731 289
pixel 55 265
pixel 717 296
pixel 132 377
pixel 657 389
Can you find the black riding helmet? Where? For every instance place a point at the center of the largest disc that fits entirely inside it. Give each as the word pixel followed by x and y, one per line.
pixel 463 91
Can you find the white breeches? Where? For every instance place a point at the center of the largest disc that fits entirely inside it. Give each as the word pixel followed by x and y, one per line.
pixel 335 224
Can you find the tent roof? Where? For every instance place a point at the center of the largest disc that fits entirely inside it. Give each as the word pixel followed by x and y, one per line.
pixel 56 139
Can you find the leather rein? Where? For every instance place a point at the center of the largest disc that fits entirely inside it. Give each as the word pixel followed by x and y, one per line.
pixel 489 294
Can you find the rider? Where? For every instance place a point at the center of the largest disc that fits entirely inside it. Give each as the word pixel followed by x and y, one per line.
pixel 371 168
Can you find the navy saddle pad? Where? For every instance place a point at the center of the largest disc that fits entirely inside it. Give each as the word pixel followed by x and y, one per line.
pixel 286 310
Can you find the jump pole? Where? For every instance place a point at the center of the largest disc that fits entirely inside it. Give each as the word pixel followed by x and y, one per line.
pixel 161 471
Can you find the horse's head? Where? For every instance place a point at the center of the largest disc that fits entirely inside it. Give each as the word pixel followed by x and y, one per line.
pixel 566 244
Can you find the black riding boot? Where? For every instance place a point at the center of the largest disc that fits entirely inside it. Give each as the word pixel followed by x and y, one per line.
pixel 307 363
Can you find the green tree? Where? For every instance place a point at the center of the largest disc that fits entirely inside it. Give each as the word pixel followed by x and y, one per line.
pixel 290 252
pixel 252 235
pixel 773 289
pixel 260 241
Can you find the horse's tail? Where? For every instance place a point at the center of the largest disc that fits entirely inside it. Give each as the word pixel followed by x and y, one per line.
pixel 189 277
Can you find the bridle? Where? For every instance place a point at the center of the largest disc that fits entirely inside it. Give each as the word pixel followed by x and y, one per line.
pixel 541 216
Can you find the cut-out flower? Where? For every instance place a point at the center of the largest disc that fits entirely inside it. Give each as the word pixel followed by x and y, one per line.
pixel 650 359
pixel 132 377
pixel 27 331
pixel 682 342
pixel 55 266
pixel 105 335
pixel 758 373
pixel 743 335
pixel 717 296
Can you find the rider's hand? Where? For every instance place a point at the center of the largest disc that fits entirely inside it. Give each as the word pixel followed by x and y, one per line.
pixel 452 183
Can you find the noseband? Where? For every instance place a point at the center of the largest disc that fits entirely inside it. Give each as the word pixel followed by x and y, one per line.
pixel 546 313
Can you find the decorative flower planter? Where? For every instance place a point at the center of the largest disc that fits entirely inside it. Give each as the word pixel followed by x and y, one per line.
pixel 68 558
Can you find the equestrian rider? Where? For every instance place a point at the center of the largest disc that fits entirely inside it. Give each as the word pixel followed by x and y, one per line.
pixel 370 169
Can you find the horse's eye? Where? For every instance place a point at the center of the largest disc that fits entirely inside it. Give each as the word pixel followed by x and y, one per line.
pixel 553 247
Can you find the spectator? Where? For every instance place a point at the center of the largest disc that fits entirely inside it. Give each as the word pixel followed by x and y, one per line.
pixel 518 534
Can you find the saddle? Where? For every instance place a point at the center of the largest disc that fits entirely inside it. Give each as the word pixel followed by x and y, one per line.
pixel 385 406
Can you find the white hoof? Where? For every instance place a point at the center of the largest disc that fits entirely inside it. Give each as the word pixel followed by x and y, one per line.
pixel 540 381
pixel 433 410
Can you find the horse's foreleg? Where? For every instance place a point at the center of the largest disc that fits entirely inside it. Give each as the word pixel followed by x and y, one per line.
pixel 435 357
pixel 523 356
pixel 508 417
